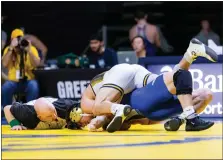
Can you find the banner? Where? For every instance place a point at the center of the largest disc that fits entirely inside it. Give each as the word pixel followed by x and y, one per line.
pixel 65 83
pixel 204 76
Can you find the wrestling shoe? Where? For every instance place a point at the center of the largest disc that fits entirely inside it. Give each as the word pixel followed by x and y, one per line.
pixel 197 124
pixel 105 126
pixel 173 124
pixel 120 115
pixel 198 49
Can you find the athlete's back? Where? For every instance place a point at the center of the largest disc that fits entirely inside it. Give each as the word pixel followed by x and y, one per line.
pixel 49 99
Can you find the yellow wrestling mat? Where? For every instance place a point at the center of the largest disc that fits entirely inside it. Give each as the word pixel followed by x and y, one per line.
pixel 140 142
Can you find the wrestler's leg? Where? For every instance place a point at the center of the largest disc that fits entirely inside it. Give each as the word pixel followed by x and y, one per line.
pixel 161 91
pixel 200 98
pixel 173 107
pixel 104 100
pixel 180 83
pixel 196 49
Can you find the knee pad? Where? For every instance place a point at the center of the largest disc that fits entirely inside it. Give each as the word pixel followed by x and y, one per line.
pixel 183 82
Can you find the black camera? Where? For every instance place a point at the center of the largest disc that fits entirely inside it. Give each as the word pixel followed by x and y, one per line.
pixel 23 43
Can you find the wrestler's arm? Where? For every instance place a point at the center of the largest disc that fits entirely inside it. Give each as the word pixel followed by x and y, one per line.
pixel 87 100
pixel 8 115
pixel 11 119
pixel 87 104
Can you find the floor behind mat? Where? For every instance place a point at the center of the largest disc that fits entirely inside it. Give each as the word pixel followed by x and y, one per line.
pixel 139 142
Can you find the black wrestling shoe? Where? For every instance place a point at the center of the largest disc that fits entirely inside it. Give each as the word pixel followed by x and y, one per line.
pixel 197 124
pixel 119 118
pixel 125 126
pixel 173 124
pixel 105 126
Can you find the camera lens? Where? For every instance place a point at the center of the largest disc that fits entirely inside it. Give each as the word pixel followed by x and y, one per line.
pixel 24 43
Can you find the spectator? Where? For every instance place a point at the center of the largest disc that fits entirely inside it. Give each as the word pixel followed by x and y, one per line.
pixel 152 35
pixel 146 30
pixel 99 56
pixel 139 46
pixel 4 71
pixel 206 33
pixel 40 46
pixel 20 57
pixel 4 35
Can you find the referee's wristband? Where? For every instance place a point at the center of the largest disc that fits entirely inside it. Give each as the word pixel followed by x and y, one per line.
pixel 14 122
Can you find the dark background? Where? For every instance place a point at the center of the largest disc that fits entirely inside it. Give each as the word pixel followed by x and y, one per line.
pixel 66 26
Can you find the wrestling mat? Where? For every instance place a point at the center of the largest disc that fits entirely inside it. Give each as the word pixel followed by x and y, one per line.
pixel 140 142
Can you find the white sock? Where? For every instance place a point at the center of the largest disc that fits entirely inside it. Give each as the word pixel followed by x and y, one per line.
pixel 188 57
pixel 188 113
pixel 115 107
pixel 102 118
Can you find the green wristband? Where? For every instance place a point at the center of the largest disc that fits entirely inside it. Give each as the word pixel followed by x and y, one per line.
pixel 14 122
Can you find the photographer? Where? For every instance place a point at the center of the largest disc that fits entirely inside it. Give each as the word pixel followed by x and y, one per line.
pixel 20 58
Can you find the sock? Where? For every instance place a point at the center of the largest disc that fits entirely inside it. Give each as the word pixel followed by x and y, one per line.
pixel 188 113
pixel 102 118
pixel 115 107
pixel 188 57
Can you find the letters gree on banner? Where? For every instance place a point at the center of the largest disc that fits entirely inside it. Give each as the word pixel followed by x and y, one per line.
pixel 71 89
pixel 65 83
pixel 204 76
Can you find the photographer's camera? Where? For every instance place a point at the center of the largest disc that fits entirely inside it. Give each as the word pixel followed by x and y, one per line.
pixel 23 43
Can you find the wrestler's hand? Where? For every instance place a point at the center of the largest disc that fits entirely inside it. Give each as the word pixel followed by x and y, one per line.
pixel 97 123
pixel 18 127
pixel 92 128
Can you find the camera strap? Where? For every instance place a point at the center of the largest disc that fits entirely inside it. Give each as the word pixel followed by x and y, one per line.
pixel 21 73
pixel 22 65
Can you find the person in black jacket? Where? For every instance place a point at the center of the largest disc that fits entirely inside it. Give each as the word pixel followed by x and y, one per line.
pixel 99 56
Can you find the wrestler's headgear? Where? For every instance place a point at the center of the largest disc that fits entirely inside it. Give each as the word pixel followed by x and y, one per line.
pixel 73 116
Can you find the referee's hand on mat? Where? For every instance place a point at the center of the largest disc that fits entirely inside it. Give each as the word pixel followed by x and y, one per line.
pixel 18 127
